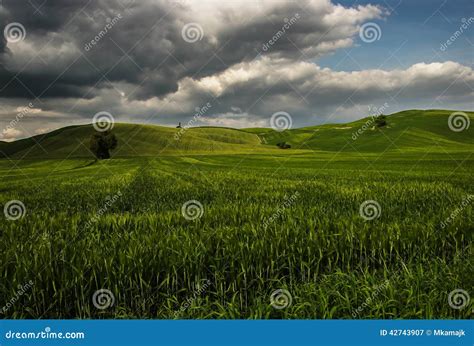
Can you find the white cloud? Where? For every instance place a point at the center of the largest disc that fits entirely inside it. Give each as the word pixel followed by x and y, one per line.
pixel 11 134
pixel 322 27
pixel 305 78
pixel 233 120
pixel 42 130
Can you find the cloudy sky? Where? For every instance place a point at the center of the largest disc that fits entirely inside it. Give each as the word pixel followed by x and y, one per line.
pixel 154 61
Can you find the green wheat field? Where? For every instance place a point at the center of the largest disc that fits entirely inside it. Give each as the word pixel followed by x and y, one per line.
pixel 272 220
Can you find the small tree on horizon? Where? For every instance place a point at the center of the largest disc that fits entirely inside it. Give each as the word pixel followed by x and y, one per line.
pixel 381 120
pixel 283 145
pixel 101 143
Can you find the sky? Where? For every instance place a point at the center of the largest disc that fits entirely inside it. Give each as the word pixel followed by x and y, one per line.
pixel 229 63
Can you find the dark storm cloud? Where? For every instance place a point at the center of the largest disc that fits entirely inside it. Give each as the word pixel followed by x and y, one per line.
pixel 145 46
pixel 42 15
pixel 73 24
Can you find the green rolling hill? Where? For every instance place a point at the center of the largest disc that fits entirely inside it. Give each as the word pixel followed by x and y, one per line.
pixel 407 130
pixel 411 130
pixel 134 140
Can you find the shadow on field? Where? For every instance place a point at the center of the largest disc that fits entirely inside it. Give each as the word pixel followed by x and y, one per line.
pixel 84 166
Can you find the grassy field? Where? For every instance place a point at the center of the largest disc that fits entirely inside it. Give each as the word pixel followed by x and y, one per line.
pixel 270 220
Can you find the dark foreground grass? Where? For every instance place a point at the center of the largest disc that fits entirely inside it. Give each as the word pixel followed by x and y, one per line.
pixel 269 222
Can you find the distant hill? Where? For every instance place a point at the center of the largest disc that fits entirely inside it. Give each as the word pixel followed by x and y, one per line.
pixel 407 130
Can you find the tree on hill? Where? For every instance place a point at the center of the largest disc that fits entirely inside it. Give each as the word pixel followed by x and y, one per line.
pixel 101 143
pixel 381 120
pixel 283 145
